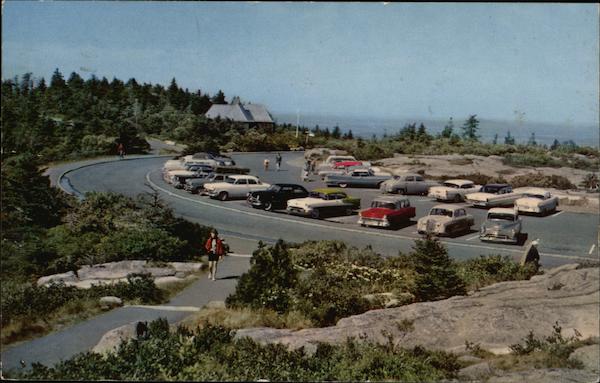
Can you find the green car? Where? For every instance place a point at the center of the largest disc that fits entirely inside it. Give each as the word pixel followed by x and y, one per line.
pixel 324 202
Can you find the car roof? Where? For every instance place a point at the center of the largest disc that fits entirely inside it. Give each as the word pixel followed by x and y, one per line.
pixel 328 190
pixel 502 210
pixel 392 199
pixel 531 190
pixel 238 176
pixel 498 185
pixel 460 182
pixel 447 207
pixel 293 185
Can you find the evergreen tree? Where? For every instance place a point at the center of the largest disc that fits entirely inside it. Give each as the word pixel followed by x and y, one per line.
pixel 448 129
pixel 470 128
pixel 336 133
pixel 495 140
pixel 509 140
pixel 326 133
pixel 436 276
pixel 532 141
pixel 350 136
pixel 219 98
pixel 555 145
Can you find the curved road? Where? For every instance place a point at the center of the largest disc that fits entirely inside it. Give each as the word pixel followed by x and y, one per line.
pixel 565 237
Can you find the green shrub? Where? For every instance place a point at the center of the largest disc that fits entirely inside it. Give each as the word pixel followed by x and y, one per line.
pixel 485 270
pixel 543 181
pixel 269 282
pixel 212 354
pixel 533 160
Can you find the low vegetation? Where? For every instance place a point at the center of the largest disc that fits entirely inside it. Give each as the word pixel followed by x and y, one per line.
pixel 28 309
pixel 213 354
pixel 45 232
pixel 326 281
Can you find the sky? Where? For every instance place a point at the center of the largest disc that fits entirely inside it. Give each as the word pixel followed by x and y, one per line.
pixel 533 62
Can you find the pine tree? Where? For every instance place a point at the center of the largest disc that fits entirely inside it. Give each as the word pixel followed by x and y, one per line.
pixel 219 98
pixel 336 133
pixel 350 135
pixel 470 128
pixel 555 145
pixel 532 141
pixel 448 129
pixel 495 140
pixel 509 140
pixel 436 276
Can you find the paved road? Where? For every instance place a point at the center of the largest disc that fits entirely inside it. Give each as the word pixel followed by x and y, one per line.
pixel 83 336
pixel 565 237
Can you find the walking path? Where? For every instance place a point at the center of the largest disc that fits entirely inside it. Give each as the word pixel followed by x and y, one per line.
pixel 83 336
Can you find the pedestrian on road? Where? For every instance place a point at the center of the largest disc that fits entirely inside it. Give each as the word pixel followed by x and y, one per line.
pixel 305 171
pixel 266 163
pixel 121 150
pixel 313 164
pixel 214 247
pixel 278 161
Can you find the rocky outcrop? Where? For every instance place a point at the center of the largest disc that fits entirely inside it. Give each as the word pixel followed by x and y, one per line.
pixel 589 356
pixel 110 302
pixel 113 272
pixel 494 317
pixel 112 339
pixel 546 375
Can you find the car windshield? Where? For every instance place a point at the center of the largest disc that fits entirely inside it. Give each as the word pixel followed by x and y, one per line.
pixel 538 196
pixel 274 188
pixel 451 185
pixel 438 211
pixel 317 195
pixel 383 205
pixel 491 189
pixel 501 217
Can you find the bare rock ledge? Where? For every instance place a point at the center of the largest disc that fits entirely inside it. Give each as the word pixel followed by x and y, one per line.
pixel 495 316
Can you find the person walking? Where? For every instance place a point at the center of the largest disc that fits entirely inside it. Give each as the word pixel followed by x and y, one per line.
pixel 278 161
pixel 266 164
pixel 214 247
pixel 121 150
pixel 305 171
pixel 313 164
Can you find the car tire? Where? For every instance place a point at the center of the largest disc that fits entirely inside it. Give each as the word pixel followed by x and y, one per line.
pixel 401 191
pixel 457 198
pixel 316 214
pixel 223 196
pixel 343 185
pixel 349 211
pixel 268 206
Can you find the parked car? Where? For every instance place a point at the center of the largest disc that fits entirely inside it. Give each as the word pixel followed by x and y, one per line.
pixel 387 211
pixel 323 202
pixel 501 225
pixel 196 185
pixel 276 196
pixel 536 201
pixel 453 190
pixel 445 220
pixel 234 186
pixel 180 177
pixel 358 177
pixel 494 195
pixel 327 167
pixel 407 184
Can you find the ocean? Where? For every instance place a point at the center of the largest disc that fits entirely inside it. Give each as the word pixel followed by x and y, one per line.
pixel 545 133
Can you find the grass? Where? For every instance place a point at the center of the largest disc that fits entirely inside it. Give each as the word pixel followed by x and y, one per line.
pixel 237 318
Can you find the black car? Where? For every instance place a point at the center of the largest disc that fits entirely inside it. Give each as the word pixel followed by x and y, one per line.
pixel 276 196
pixel 496 188
pixel 196 185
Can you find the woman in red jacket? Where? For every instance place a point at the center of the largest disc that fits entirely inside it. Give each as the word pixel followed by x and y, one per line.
pixel 214 247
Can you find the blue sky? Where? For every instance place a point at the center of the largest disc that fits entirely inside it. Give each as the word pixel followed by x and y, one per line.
pixel 500 61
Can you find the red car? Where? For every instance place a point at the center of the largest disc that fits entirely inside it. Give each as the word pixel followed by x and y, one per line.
pixel 387 211
pixel 346 164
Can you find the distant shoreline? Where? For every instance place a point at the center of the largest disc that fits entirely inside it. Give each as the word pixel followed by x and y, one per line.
pixel 545 133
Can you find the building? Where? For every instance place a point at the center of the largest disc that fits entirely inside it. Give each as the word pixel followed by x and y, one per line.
pixel 253 115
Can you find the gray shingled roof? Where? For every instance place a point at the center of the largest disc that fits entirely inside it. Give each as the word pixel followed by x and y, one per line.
pixel 240 113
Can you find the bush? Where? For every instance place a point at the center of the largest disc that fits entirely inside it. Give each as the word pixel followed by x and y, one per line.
pixel 477 178
pixel 543 181
pixel 533 160
pixel 485 270
pixel 269 282
pixel 212 354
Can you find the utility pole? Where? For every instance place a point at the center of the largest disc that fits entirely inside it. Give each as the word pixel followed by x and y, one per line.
pixel 297 121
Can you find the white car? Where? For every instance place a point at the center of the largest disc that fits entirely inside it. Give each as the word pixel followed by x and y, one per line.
pixel 235 186
pixel 323 202
pixel 536 200
pixel 494 195
pixel 453 190
pixel 445 220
